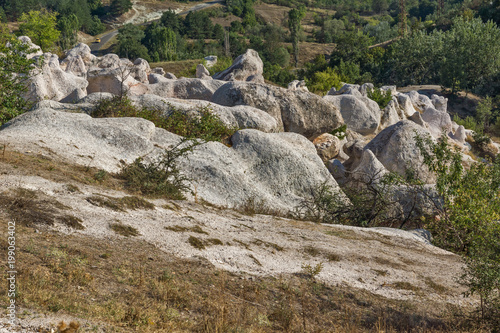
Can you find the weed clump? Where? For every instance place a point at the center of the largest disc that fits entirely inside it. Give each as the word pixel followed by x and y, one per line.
pixel 120 204
pixel 161 178
pixel 382 98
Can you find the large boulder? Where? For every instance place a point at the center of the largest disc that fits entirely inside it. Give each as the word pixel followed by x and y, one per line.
pixel 114 75
pixel 246 67
pixel 33 49
pixel 277 170
pixel 396 148
pixel 440 103
pixel 240 116
pixel 359 113
pixel 294 110
pixel 185 88
pixel 52 82
pixel 405 105
pixel 78 60
pixel 420 102
pixel 369 170
pixel 141 70
pixel 390 114
pixel 202 72
pixel 438 121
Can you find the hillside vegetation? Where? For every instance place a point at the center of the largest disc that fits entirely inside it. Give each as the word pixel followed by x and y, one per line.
pixel 286 185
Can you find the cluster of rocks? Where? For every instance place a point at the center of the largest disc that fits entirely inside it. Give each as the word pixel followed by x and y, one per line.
pixel 284 150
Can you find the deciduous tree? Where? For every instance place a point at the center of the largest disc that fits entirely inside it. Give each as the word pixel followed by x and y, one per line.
pixel 40 26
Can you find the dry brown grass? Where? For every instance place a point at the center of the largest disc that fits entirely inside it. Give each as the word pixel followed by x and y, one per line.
pixel 120 204
pixel 133 286
pixel 35 209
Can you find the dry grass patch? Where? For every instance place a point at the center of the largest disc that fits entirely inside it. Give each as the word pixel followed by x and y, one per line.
pixel 124 230
pixel 35 209
pixel 177 228
pixel 54 169
pixel 179 68
pixel 403 285
pixel 438 288
pixel 196 243
pixel 120 204
pixel 132 286
pixel 271 245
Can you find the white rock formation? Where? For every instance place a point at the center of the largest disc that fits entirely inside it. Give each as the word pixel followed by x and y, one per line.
pixel 359 113
pixel 294 110
pixel 246 67
pixel 395 147
pixel 52 82
pixel 276 170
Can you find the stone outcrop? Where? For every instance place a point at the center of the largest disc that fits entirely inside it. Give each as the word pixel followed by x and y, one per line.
pixel 294 110
pixel 52 82
pixel 246 67
pixel 202 72
pixel 185 88
pixel 395 147
pixel 34 50
pixel 359 113
pixel 240 116
pixel 78 60
pixel 275 170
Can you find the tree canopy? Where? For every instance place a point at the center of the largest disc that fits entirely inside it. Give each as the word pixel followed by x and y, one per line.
pixel 40 26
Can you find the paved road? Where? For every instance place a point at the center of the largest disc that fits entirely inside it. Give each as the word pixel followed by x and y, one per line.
pixel 95 47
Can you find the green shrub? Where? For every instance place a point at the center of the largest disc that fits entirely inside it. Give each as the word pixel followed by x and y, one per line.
pixel 161 178
pixel 372 201
pixel 207 126
pixel 468 219
pixel 382 98
pixel 322 82
pixel 13 87
pixel 469 122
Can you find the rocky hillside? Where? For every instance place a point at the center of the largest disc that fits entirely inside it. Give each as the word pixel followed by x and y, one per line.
pixel 61 183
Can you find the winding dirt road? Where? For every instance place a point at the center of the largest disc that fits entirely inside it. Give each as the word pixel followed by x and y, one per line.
pixel 95 47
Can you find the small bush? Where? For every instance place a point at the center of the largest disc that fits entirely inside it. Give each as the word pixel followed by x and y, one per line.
pixel 469 122
pixel 114 107
pixel 382 98
pixel 206 126
pixel 161 178
pixel 322 82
